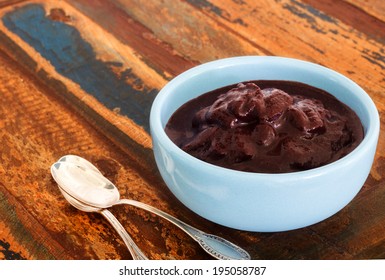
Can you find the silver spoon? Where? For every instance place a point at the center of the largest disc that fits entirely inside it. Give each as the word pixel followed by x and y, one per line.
pixel 98 191
pixel 136 253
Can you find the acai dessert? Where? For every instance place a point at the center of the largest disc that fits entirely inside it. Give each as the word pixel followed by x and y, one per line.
pixel 266 127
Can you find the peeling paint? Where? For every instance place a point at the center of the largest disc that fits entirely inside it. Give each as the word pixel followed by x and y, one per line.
pixel 315 12
pixel 376 58
pixel 203 4
pixel 8 253
pixel 206 5
pixel 74 58
pixel 309 14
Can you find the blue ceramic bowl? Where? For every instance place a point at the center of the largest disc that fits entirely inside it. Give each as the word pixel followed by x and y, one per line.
pixel 256 201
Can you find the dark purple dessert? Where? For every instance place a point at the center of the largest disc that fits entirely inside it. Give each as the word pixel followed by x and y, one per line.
pixel 266 127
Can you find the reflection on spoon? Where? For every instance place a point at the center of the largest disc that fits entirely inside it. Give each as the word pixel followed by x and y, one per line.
pixel 83 181
pixel 85 184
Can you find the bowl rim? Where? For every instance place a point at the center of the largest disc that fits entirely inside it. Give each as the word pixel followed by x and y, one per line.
pixel 157 129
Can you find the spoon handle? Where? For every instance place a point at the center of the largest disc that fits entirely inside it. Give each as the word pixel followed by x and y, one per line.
pixel 136 253
pixel 216 246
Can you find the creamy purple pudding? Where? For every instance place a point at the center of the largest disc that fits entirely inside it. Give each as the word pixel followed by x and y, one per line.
pixel 266 127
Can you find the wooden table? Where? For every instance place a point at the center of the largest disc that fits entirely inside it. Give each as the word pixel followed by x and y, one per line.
pixel 79 77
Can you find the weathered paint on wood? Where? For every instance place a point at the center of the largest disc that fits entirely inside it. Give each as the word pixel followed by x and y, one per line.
pixel 366 16
pixel 79 77
pixel 75 59
pixel 35 133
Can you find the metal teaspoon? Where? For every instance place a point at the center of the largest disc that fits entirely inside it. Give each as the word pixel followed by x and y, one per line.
pixel 96 190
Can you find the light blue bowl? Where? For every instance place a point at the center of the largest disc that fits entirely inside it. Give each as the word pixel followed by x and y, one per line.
pixel 256 201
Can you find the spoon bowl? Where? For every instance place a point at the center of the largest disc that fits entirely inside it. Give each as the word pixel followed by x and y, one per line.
pixel 76 177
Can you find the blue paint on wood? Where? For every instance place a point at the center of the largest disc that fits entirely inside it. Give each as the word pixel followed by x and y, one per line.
pixel 74 58
pixel 7 253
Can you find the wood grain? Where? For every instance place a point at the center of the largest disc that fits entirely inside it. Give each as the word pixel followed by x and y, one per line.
pixel 37 131
pixel 79 77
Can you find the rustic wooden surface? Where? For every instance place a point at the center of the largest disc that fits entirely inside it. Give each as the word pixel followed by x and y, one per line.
pixel 79 77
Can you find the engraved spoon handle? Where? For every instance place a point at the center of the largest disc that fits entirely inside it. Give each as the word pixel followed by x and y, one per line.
pixel 136 253
pixel 216 246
